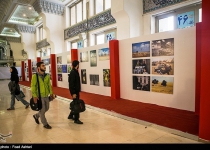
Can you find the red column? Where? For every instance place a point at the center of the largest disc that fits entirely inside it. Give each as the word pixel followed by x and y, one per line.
pixel 114 69
pixel 29 70
pixel 53 69
pixel 38 59
pixel 23 70
pixel 204 122
pixel 198 68
pixel 74 54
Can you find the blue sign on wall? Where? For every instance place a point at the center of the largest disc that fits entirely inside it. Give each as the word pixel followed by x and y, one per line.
pixel 185 20
pixel 80 44
pixel 110 36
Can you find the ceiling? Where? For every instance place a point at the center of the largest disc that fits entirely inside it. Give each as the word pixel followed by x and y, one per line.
pixel 20 12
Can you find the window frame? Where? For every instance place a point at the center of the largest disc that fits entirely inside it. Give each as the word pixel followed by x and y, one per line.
pixel 75 5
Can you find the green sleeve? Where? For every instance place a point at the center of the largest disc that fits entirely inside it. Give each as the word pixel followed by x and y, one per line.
pixel 33 86
pixel 50 86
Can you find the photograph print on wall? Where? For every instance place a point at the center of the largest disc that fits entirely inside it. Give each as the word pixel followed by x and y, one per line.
pixel 141 83
pixel 83 75
pixel 163 66
pixel 68 68
pixel 59 68
pixel 68 59
pixel 141 49
pixel 162 84
pixel 64 68
pixel 103 54
pixel 59 60
pixel 141 66
pixel 163 47
pixel 93 58
pixel 94 79
pixel 60 77
pixel 84 56
pixel 106 77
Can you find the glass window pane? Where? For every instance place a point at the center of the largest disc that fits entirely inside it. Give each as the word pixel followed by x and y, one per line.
pixel 100 39
pixel 166 24
pixel 200 15
pixel 74 45
pixel 73 16
pixel 99 6
pixel 107 4
pixel 79 12
pixel 84 10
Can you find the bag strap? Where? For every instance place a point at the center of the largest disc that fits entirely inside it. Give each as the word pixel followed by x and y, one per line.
pixel 38 86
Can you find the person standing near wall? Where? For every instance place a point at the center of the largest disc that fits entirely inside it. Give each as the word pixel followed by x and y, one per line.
pixel 45 91
pixel 15 89
pixel 74 88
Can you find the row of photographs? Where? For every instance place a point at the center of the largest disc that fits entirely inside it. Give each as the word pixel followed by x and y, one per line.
pixel 162 47
pixel 94 79
pixel 157 66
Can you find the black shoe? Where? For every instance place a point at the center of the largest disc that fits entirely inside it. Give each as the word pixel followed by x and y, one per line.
pixel 70 117
pixel 47 126
pixel 36 120
pixel 78 122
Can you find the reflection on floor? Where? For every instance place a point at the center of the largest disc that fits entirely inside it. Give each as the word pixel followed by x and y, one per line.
pixel 99 126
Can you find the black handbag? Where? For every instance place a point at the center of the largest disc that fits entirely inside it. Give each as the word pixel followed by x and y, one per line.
pixel 36 106
pixel 77 106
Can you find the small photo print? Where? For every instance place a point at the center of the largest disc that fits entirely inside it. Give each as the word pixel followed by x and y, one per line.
pixel 64 68
pixel 141 49
pixel 84 76
pixel 163 47
pixel 93 58
pixel 59 60
pixel 94 79
pixel 84 56
pixel 59 68
pixel 163 66
pixel 68 68
pixel 106 77
pixel 141 83
pixel 162 84
pixel 103 54
pixel 60 77
pixel 141 66
pixel 68 59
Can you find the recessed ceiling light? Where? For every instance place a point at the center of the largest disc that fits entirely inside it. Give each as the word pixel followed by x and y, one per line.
pixel 24 15
pixel 29 7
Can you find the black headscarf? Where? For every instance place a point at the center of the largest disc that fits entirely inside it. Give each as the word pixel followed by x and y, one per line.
pixel 14 75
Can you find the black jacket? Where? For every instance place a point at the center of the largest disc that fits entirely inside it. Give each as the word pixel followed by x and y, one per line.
pixel 14 77
pixel 74 82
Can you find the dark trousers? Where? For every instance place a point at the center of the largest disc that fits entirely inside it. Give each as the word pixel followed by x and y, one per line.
pixel 75 115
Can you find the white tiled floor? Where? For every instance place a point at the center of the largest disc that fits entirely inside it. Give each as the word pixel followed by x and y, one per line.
pixel 99 126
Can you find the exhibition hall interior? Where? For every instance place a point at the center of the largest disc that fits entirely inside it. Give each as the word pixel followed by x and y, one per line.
pixel 142 68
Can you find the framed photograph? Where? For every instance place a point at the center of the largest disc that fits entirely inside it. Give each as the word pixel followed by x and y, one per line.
pixel 141 66
pixel 106 77
pixel 60 77
pixel 94 79
pixel 59 60
pixel 103 54
pixel 84 56
pixel 68 59
pixel 64 68
pixel 84 76
pixel 163 47
pixel 163 66
pixel 59 68
pixel 93 58
pixel 162 84
pixel 141 83
pixel 141 49
pixel 68 68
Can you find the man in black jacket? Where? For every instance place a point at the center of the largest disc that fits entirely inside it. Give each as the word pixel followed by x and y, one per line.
pixel 74 88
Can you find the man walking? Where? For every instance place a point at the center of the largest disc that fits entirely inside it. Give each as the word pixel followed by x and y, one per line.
pixel 45 91
pixel 74 88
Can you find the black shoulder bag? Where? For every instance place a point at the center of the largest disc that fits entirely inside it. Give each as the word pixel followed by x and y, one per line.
pixel 36 106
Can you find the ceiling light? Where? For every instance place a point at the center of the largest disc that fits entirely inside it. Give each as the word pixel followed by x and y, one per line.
pixel 29 7
pixel 11 30
pixel 24 15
